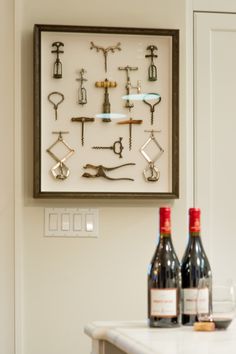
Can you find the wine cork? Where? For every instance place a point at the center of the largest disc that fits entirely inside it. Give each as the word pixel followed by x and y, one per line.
pixel 204 326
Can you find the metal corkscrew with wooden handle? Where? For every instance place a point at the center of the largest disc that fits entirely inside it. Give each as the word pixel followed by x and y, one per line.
pixel 106 84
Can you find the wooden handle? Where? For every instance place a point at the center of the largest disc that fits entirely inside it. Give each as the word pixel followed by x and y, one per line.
pixel 135 121
pixel 105 84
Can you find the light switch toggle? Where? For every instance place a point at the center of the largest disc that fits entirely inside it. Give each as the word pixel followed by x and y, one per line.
pixel 65 222
pixel 53 222
pixel 77 222
pixel 89 222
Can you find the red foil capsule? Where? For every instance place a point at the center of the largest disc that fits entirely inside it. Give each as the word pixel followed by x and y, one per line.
pixel 194 220
pixel 165 224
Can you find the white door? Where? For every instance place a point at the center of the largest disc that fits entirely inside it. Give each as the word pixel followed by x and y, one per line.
pixel 215 136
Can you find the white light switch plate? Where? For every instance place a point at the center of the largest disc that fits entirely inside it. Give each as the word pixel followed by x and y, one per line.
pixel 70 222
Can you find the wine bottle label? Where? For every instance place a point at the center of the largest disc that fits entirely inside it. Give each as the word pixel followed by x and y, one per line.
pixel 190 301
pixel 203 301
pixel 164 302
pixel 195 301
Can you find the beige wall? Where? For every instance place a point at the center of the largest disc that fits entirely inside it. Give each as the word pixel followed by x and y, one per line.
pixel 7 178
pixel 62 284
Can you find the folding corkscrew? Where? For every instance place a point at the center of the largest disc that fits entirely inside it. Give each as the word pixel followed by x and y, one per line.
pixel 151 173
pixel 60 171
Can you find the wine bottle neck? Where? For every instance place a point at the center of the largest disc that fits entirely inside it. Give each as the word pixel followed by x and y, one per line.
pixel 164 235
pixel 194 240
pixel 194 234
pixel 165 242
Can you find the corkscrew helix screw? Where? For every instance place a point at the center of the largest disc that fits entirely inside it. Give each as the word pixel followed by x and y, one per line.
pixel 82 120
pixel 117 147
pixel 130 122
pixel 152 106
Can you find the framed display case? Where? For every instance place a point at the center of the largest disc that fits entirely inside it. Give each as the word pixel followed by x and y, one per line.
pixel 106 112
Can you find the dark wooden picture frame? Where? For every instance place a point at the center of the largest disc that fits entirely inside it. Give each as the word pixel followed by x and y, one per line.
pixel 45 185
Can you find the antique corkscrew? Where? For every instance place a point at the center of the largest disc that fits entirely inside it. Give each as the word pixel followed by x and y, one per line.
pixel 82 120
pixel 151 172
pixel 117 147
pixel 106 104
pixel 130 122
pixel 152 70
pixel 128 85
pixel 60 171
pixel 82 92
pixel 58 99
pixel 100 171
pixel 106 51
pixel 152 106
pixel 57 68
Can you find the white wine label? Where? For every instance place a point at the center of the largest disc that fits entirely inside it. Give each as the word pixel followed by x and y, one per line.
pixel 164 302
pixel 195 301
pixel 190 301
pixel 203 301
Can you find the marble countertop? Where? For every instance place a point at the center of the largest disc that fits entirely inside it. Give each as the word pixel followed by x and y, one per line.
pixel 135 337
